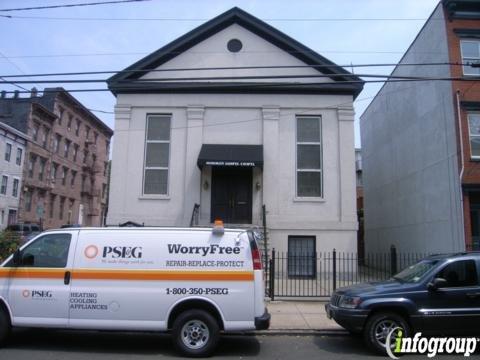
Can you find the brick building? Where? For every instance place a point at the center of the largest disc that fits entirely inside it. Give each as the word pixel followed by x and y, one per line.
pixel 66 161
pixel 421 141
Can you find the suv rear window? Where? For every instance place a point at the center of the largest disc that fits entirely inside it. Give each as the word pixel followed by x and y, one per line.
pixel 35 228
pixel 14 228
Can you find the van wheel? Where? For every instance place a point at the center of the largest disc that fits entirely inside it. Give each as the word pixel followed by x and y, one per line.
pixel 379 326
pixel 5 327
pixel 195 333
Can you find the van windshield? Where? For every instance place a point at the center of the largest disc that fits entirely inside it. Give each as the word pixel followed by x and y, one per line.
pixel 416 272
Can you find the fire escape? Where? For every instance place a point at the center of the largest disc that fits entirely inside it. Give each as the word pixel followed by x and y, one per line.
pixel 90 190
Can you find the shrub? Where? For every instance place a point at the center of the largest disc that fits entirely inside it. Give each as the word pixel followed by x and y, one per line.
pixel 9 242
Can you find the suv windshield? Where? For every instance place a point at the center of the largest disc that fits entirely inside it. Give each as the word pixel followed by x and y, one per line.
pixel 415 273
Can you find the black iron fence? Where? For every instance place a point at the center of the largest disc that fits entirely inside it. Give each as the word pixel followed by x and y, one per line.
pixel 319 274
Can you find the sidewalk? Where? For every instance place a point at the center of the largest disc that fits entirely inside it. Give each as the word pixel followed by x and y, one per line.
pixel 302 316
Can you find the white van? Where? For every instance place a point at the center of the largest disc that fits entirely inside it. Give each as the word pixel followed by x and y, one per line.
pixel 194 282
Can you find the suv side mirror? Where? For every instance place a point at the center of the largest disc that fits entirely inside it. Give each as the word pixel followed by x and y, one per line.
pixel 437 283
pixel 17 258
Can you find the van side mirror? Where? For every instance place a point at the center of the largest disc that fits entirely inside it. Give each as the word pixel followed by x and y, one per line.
pixel 437 283
pixel 17 258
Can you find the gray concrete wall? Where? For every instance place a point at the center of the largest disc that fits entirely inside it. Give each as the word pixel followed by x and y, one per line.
pixel 410 171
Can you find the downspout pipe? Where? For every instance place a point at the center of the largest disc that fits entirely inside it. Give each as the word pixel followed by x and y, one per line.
pixel 462 165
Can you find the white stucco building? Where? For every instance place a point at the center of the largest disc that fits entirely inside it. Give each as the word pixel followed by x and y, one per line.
pixel 12 154
pixel 242 136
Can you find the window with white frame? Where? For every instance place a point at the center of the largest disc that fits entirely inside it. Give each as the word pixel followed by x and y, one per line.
pixel 301 256
pixel 8 152
pixel 3 188
pixel 15 187
pixel 474 131
pixel 18 159
pixel 157 153
pixel 309 157
pixel 470 55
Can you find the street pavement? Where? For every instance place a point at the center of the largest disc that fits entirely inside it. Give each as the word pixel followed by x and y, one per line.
pixel 91 345
pixel 299 330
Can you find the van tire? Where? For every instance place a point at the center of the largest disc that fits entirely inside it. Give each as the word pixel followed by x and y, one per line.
pixel 383 320
pixel 5 327
pixel 195 333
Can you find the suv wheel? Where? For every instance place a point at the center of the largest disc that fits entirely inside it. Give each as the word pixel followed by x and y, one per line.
pixel 5 327
pixel 379 326
pixel 195 333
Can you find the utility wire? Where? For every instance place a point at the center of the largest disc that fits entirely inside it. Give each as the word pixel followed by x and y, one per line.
pixel 259 77
pixel 70 5
pixel 299 85
pixel 18 68
pixel 143 71
pixel 199 19
pixel 34 56
pixel 11 83
pixel 385 93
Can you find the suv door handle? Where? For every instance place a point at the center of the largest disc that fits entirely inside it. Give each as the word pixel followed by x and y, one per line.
pixel 473 295
pixel 68 276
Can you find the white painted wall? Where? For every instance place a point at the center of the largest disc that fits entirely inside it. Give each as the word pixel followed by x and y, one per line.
pixel 11 169
pixel 258 119
pixel 213 52
pixel 409 151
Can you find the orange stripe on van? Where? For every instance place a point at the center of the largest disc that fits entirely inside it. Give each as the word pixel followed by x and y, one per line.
pixel 139 275
pixel 32 273
pixel 84 274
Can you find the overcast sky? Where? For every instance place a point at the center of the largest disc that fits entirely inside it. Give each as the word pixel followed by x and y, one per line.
pixel 51 45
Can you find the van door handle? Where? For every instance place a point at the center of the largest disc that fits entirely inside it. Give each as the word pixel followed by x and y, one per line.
pixel 68 276
pixel 473 295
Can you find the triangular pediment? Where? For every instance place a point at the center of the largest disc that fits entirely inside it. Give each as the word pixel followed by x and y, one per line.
pixel 253 68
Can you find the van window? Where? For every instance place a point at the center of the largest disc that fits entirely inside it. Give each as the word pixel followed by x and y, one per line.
pixel 50 251
pixel 460 274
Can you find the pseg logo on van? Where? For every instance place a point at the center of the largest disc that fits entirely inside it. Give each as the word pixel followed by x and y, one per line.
pixel 114 252
pixel 37 294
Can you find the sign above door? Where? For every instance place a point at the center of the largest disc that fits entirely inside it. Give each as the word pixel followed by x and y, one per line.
pixel 230 155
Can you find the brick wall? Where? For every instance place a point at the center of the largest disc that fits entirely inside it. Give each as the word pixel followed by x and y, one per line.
pixel 62 198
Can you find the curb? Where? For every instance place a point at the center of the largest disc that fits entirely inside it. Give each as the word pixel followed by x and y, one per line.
pixel 298 332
